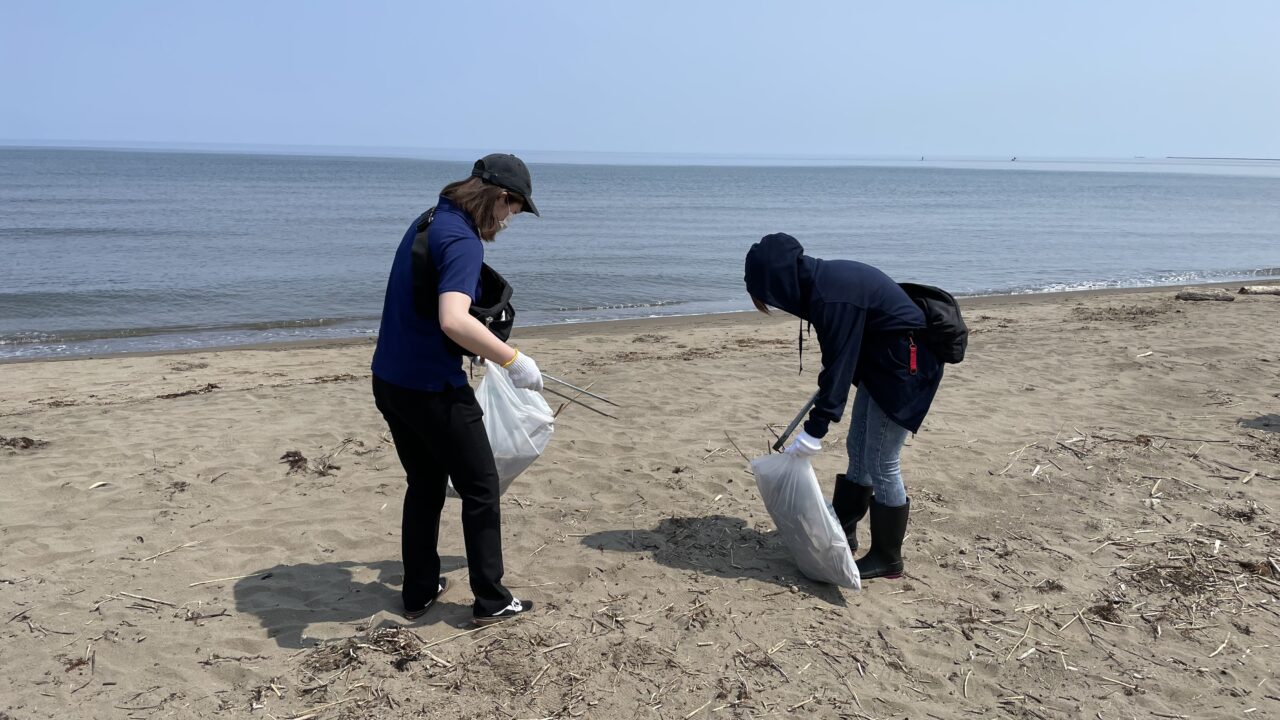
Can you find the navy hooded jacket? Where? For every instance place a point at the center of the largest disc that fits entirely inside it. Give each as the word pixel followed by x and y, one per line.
pixel 862 318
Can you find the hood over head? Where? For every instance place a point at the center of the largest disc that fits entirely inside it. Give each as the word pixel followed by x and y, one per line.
pixel 779 274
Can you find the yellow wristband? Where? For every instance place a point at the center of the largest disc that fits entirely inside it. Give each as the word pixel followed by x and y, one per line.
pixel 510 362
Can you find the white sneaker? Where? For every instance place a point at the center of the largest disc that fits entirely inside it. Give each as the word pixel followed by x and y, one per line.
pixel 516 607
pixel 440 591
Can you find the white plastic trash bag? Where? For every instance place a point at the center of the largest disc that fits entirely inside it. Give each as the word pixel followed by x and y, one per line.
pixel 518 422
pixel 805 520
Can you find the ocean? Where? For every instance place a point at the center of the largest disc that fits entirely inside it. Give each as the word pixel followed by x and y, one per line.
pixel 107 251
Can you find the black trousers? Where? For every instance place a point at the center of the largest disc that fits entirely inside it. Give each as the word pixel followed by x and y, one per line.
pixel 438 436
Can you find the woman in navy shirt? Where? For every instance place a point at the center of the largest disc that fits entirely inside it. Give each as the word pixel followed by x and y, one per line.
pixel 865 324
pixel 422 391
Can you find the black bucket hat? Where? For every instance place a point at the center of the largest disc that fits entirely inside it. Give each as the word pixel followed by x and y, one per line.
pixel 509 173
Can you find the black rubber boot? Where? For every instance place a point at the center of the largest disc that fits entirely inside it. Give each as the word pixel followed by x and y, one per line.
pixel 888 527
pixel 850 501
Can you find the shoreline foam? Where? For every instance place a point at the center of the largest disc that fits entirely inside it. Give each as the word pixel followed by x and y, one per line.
pixel 626 324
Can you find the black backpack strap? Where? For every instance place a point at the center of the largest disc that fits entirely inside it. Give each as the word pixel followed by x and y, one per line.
pixel 424 220
pixel 426 278
pixel 493 307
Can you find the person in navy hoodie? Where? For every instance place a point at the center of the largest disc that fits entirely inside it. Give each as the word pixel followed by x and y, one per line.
pixel 866 327
pixel 421 389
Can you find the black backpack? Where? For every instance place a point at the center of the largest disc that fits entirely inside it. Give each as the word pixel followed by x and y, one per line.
pixel 945 332
pixel 493 306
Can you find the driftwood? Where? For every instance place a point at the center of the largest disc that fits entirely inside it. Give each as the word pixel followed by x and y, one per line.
pixel 1205 294
pixel 1260 290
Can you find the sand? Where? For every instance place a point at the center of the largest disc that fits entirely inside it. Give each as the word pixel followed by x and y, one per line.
pixel 1095 499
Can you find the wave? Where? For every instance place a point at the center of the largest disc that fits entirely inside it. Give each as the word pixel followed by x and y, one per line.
pixel 80 336
pixel 24 233
pixel 106 341
pixel 618 306
pixel 1141 281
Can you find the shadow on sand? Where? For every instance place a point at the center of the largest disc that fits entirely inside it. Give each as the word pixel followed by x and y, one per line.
pixel 716 545
pixel 287 599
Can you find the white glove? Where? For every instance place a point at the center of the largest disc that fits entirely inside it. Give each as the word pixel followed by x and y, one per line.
pixel 804 445
pixel 524 372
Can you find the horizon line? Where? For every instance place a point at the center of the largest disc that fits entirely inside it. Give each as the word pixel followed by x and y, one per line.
pixel 579 157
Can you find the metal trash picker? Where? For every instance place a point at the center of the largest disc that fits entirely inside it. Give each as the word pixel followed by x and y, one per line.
pixel 794 423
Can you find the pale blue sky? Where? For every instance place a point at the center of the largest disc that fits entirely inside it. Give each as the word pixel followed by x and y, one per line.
pixel 1083 79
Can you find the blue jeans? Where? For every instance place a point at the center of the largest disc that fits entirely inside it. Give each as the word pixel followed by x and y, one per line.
pixel 875 448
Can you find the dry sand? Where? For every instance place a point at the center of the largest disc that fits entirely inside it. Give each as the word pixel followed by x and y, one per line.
pixel 1095 504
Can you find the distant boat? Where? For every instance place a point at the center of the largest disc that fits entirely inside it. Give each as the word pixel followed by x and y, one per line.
pixel 1013 159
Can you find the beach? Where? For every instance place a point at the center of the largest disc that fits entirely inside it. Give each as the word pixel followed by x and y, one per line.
pixel 1093 533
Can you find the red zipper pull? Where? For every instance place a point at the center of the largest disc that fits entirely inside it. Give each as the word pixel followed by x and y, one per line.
pixel 913 365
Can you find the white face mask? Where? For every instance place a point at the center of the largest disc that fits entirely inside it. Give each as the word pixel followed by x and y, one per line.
pixel 506 221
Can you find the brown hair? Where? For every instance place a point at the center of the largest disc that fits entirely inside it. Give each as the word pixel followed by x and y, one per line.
pixel 760 306
pixel 478 198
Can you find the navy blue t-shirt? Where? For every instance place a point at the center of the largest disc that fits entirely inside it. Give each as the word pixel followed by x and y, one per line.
pixel 412 351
